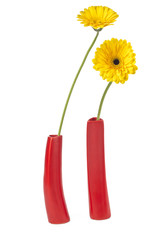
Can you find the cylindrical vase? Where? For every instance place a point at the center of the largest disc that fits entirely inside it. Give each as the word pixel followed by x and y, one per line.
pixel 53 189
pixel 97 186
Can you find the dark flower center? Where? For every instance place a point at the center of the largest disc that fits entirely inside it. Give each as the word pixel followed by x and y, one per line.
pixel 116 61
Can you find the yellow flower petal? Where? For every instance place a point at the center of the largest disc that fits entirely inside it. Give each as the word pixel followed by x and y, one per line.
pixel 115 60
pixel 97 17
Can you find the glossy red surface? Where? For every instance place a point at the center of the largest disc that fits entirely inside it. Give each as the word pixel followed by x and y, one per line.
pixel 53 189
pixel 97 185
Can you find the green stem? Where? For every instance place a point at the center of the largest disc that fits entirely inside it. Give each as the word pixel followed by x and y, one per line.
pixel 69 95
pixel 102 100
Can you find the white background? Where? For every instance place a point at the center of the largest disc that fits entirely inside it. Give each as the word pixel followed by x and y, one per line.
pixel 41 48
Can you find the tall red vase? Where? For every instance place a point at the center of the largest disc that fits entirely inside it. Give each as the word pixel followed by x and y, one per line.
pixel 97 185
pixel 53 189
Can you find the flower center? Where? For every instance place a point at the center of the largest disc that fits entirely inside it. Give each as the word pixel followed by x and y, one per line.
pixel 116 61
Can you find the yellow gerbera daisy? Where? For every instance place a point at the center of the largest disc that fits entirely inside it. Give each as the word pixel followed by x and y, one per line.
pixel 97 17
pixel 115 60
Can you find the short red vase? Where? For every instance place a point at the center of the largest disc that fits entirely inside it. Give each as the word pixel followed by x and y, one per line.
pixel 53 189
pixel 97 185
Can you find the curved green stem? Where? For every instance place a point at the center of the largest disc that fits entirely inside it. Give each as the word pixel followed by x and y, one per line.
pixel 102 100
pixel 79 70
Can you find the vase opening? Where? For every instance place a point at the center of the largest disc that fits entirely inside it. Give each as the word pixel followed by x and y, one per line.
pixel 54 136
pixel 94 119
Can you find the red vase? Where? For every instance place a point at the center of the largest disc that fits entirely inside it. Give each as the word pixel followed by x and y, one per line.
pixel 53 189
pixel 97 185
